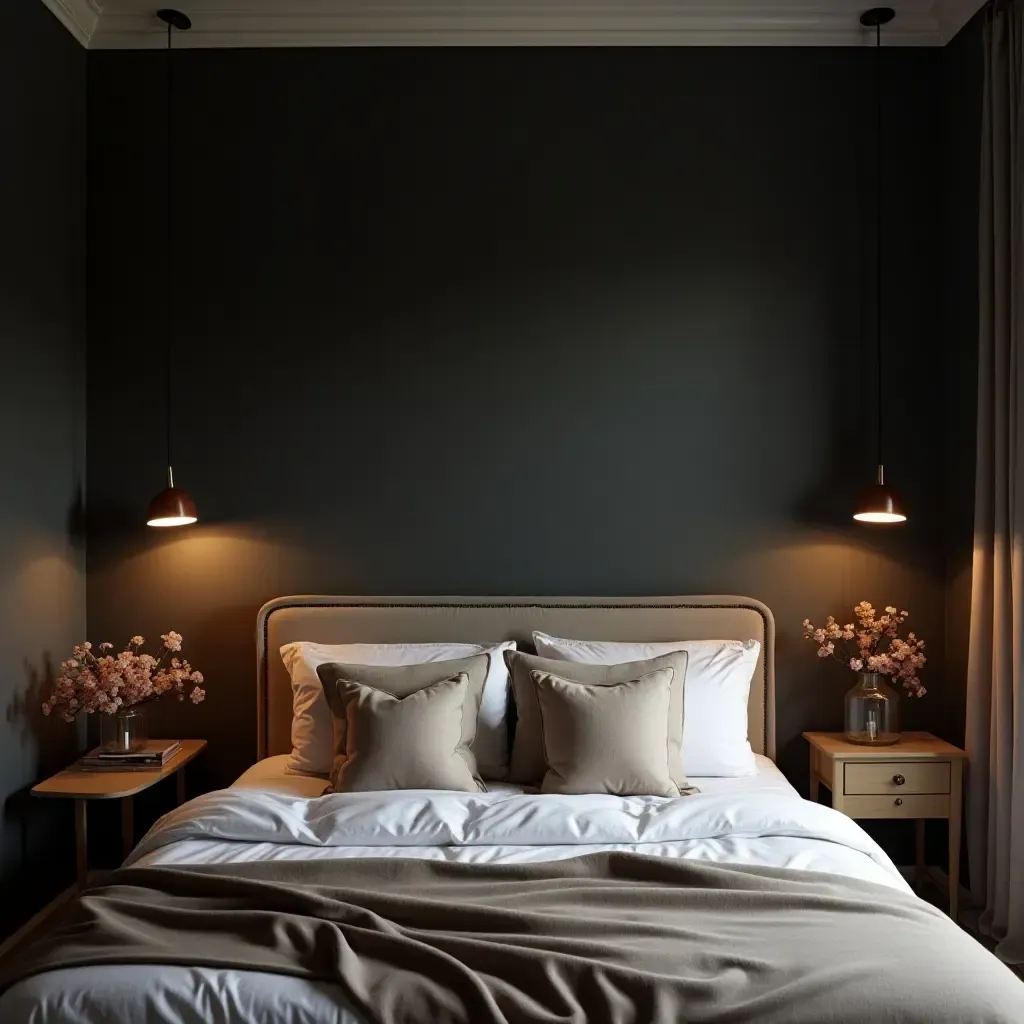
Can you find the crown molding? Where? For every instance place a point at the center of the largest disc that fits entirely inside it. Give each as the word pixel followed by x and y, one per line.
pixel 508 23
pixel 79 17
pixel 952 15
pixel 301 23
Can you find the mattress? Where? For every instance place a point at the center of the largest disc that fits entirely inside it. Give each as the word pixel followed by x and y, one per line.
pixel 267 814
pixel 271 775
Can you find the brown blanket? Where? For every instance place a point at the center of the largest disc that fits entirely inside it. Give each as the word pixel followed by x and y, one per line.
pixel 608 938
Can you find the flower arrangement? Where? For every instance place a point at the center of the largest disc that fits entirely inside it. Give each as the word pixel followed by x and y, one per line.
pixel 860 646
pixel 111 683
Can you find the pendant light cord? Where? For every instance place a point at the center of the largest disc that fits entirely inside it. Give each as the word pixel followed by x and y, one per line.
pixel 878 234
pixel 168 290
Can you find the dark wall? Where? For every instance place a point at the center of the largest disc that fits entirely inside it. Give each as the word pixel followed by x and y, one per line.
pixel 962 82
pixel 42 432
pixel 590 321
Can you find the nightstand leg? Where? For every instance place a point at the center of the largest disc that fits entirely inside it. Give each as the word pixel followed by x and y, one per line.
pixel 81 843
pixel 180 778
pixel 127 827
pixel 956 802
pixel 919 850
pixel 814 788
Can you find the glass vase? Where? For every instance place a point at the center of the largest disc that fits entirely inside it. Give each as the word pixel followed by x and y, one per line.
pixel 123 733
pixel 872 711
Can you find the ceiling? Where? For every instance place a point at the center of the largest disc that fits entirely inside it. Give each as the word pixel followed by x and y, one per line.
pixel 131 24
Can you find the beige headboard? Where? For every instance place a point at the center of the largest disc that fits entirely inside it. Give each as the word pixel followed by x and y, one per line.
pixel 482 619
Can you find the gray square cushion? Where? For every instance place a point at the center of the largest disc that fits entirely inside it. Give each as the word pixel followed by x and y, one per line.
pixel 412 742
pixel 606 739
pixel 527 765
pixel 401 681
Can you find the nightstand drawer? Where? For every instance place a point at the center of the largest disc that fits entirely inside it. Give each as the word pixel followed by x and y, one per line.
pixel 897 778
pixel 921 806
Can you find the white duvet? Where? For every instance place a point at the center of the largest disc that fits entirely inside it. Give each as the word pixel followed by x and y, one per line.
pixel 768 825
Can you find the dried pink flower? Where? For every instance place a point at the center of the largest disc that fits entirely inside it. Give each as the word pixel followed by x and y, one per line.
pixel 172 640
pixel 897 657
pixel 111 682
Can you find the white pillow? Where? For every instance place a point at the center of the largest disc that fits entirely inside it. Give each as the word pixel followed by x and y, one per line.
pixel 715 697
pixel 312 727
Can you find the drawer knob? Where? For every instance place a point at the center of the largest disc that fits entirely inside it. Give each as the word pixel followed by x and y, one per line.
pixel 899 801
pixel 898 779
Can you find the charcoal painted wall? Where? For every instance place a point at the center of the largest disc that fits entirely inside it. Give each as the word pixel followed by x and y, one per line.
pixel 42 433
pixel 962 80
pixel 513 321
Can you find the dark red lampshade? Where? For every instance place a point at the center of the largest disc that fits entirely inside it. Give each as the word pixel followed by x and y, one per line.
pixel 879 504
pixel 171 507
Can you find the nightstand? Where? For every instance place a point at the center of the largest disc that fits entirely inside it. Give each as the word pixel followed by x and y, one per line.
pixel 920 777
pixel 82 786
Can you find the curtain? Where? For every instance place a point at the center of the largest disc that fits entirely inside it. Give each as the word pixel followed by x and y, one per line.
pixel 995 687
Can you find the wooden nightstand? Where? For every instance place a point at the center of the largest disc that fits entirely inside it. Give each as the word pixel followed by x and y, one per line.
pixel 920 777
pixel 82 786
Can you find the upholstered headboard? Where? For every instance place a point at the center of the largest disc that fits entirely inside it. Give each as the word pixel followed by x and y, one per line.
pixel 483 619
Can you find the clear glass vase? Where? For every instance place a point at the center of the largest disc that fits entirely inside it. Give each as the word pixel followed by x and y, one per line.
pixel 872 711
pixel 123 733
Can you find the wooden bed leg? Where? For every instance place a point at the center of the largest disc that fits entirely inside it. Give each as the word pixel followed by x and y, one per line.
pixel 81 844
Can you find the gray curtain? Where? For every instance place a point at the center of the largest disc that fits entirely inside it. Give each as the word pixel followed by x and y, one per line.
pixel 995 677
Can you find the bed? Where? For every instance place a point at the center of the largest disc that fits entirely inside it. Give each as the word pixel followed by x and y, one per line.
pixel 760 906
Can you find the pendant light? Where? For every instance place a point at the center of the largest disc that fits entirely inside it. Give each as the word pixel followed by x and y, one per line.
pixel 171 507
pixel 878 504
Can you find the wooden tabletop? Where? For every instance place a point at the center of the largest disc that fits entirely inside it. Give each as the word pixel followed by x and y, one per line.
pixel 83 785
pixel 913 746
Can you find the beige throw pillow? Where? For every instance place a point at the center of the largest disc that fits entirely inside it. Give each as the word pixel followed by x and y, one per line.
pixel 401 681
pixel 527 765
pixel 606 739
pixel 413 742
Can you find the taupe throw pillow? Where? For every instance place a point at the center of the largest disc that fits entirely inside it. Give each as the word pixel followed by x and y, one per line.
pixel 412 742
pixel 527 765
pixel 606 739
pixel 400 681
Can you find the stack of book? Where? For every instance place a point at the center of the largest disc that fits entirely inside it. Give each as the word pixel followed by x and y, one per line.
pixel 154 754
